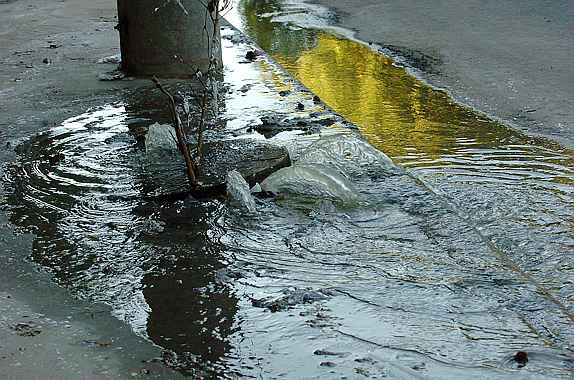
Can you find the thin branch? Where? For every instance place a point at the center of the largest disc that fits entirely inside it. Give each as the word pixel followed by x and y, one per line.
pixel 180 135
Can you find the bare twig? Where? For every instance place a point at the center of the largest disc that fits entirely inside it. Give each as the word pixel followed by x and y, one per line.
pixel 180 135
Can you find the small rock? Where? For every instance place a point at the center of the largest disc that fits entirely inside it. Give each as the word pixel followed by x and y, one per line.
pixel 253 159
pixel 143 371
pixel 271 125
pixel 46 61
pixel 245 88
pixel 328 364
pixel 300 106
pixel 112 76
pixel 316 99
pixel 419 366
pixel 521 358
pixel 96 343
pixel 362 371
pixel 115 59
pixel 364 360
pixel 251 55
pixel 139 132
pixel 329 353
pixel 55 159
pixel 291 297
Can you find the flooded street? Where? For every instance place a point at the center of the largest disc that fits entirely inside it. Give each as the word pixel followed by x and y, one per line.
pixel 443 266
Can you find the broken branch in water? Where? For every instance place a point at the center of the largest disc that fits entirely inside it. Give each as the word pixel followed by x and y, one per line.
pixel 180 135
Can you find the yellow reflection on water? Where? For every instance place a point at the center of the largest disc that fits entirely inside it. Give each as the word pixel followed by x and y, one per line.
pixel 397 113
pixel 394 111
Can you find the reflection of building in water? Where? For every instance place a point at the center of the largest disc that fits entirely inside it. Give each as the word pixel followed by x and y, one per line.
pixel 189 312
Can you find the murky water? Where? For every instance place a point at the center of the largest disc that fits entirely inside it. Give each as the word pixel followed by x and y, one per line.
pixel 444 270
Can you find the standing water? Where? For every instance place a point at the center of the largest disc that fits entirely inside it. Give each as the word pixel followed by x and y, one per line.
pixel 445 268
pixel 514 191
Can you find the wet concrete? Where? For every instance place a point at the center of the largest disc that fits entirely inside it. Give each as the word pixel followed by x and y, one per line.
pixel 49 52
pixel 510 59
pixel 46 334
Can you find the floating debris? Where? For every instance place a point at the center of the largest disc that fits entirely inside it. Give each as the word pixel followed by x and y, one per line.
pixel 251 55
pixel 313 181
pixel 115 59
pixel 112 76
pixel 290 298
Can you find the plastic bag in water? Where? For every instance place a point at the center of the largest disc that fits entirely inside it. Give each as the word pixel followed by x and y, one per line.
pixel 350 155
pixel 316 181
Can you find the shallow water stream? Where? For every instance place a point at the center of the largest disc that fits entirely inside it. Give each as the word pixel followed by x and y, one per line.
pixel 444 268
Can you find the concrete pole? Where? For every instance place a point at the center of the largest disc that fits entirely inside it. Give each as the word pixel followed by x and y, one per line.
pixel 166 38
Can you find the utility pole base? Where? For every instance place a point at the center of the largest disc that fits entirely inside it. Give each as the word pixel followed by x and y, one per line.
pixel 165 38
